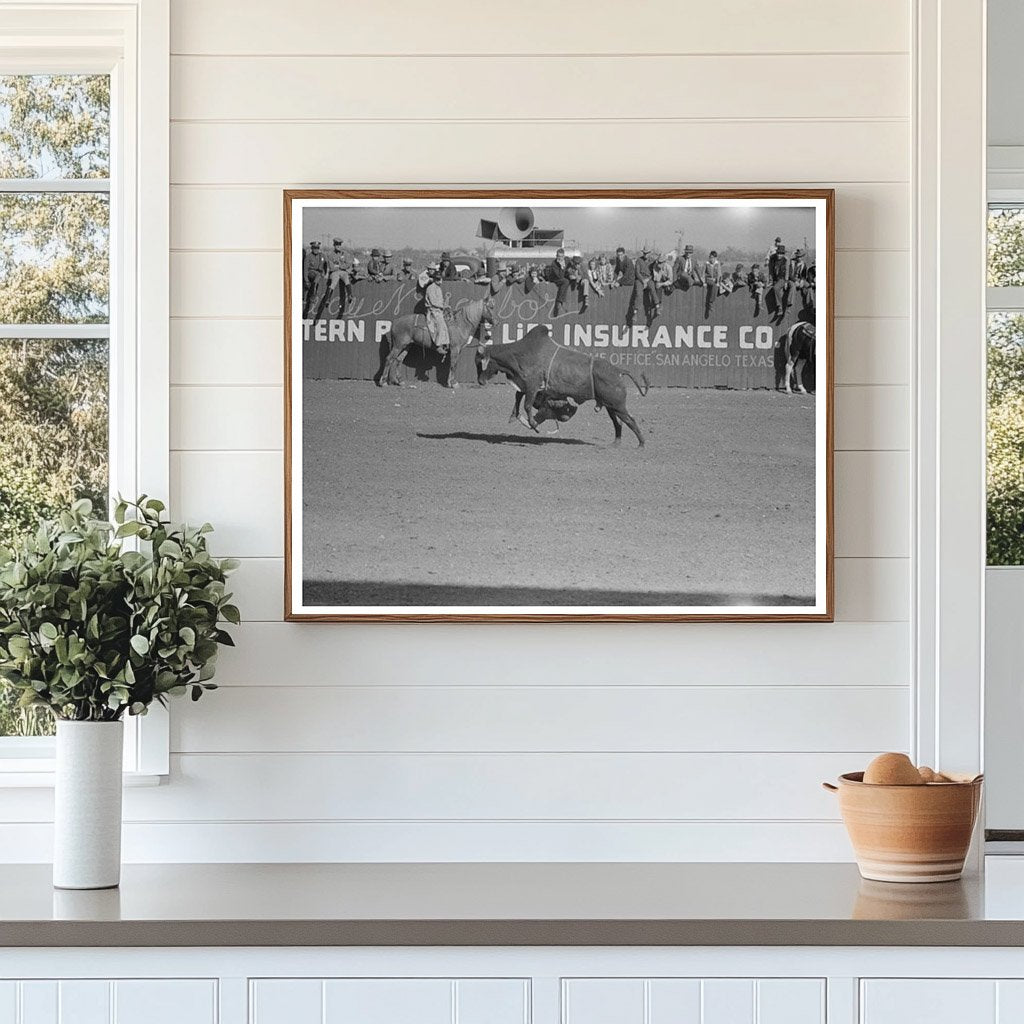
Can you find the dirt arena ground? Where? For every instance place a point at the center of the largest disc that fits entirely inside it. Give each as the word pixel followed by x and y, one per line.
pixel 421 496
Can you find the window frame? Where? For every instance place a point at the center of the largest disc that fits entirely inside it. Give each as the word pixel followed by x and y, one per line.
pixel 130 41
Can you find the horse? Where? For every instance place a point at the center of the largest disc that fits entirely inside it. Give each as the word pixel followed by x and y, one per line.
pixel 411 328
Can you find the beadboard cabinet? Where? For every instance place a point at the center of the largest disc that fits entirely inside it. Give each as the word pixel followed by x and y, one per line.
pixel 512 985
pixel 107 1001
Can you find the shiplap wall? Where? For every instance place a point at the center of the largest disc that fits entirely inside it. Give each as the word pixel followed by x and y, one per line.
pixel 691 741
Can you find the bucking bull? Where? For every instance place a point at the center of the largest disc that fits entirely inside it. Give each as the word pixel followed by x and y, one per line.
pixel 555 381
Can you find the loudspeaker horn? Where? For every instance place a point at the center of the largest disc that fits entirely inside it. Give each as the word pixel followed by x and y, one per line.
pixel 516 222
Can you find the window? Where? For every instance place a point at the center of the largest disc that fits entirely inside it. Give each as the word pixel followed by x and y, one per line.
pixel 1005 476
pixel 84 124
pixel 54 309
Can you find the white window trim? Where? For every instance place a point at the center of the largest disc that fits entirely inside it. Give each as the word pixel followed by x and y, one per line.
pixel 131 41
pixel 949 444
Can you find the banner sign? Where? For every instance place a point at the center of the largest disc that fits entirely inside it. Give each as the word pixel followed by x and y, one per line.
pixel 730 348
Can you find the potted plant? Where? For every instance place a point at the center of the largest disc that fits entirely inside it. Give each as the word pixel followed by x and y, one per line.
pixel 99 620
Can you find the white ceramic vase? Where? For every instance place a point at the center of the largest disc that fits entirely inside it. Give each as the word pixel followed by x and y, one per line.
pixel 87 805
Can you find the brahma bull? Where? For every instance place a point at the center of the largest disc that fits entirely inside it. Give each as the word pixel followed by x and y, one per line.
pixel 537 364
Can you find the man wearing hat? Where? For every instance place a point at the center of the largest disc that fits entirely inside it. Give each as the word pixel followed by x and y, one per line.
pixel 558 275
pixel 407 273
pixel 686 271
pixel 313 267
pixel 448 271
pixel 339 278
pixel 643 289
pixel 374 265
pixel 798 272
pixel 756 284
pixel 778 275
pixel 433 300
pixel 711 277
pixel 388 270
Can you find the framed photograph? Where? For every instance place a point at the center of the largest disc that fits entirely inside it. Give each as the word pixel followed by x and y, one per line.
pixel 541 405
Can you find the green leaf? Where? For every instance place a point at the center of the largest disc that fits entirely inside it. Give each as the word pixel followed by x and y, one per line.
pixel 170 549
pixel 231 613
pixel 18 646
pixel 140 644
pixel 49 631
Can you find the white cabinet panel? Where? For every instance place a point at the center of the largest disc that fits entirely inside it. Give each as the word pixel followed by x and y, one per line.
pixel 728 1001
pixel 603 1001
pixel 929 1001
pixel 165 1002
pixel 8 1002
pixel 387 1001
pixel 693 1001
pixel 791 1001
pixel 286 1001
pixel 492 1001
pixel 85 1002
pixel 101 1001
pixel 38 1002
pixel 1009 1002
pixel 674 1001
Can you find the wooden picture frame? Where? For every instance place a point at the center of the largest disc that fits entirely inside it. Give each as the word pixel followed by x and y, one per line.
pixel 339 353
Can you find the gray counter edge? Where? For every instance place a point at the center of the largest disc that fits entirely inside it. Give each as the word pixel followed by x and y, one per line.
pixel 241 933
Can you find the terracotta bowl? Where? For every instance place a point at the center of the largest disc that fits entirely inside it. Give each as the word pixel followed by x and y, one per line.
pixel 909 833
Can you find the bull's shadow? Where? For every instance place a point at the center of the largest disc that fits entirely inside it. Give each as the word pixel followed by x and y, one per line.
pixel 466 435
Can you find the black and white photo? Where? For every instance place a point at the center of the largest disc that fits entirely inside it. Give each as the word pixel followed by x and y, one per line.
pixel 559 405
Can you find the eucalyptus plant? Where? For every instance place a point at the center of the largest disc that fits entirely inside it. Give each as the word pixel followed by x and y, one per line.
pixel 98 619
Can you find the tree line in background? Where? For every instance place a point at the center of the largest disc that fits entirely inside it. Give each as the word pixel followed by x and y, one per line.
pixel 1005 480
pixel 53 270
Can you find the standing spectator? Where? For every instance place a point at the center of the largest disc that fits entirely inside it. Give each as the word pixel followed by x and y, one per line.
pixel 638 298
pixel 605 272
pixel 591 283
pixel 448 271
pixel 778 274
pixel 386 272
pixel 685 271
pixel 339 279
pixel 772 251
pixel 809 294
pixel 798 274
pixel 755 282
pixel 712 279
pixel 407 273
pixel 652 297
pixel 313 268
pixel 558 275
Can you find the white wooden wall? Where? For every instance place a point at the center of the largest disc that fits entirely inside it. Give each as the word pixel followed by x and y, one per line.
pixel 526 742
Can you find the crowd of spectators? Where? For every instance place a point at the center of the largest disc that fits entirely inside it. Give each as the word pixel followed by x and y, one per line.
pixel 773 286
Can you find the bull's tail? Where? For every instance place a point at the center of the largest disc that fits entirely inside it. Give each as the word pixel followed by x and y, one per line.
pixel 643 387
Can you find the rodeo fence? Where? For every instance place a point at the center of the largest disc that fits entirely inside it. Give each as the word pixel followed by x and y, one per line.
pixel 731 349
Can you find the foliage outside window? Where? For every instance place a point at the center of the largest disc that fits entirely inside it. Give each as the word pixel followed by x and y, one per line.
pixel 54 299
